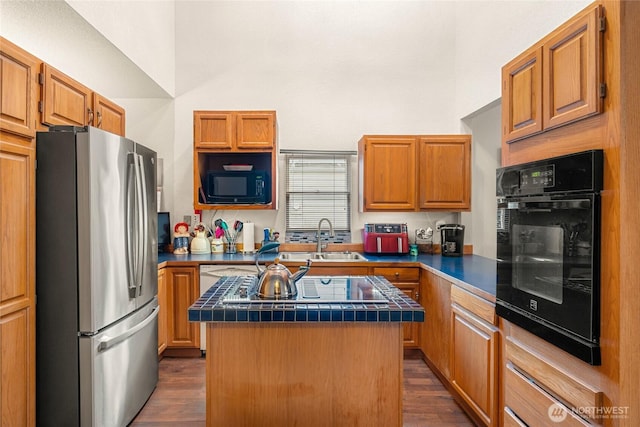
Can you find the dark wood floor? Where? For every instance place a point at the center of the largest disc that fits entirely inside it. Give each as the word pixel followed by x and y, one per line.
pixel 179 398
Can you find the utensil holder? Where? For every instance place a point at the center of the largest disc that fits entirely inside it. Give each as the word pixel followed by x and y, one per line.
pixel 231 248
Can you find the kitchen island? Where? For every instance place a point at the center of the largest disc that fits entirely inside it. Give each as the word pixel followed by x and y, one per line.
pixel 295 362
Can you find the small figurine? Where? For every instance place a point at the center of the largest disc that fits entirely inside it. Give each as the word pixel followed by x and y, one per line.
pixel 181 238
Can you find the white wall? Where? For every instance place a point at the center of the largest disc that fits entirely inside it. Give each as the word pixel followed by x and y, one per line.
pixel 481 221
pixel 332 70
pixel 491 33
pixel 55 33
pixel 144 31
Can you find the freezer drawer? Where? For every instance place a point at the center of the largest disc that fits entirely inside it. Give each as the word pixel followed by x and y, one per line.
pixel 119 369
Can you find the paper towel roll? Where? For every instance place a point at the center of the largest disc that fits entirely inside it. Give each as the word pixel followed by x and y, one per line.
pixel 248 237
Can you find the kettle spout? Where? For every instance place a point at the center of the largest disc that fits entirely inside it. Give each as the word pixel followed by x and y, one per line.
pixel 301 272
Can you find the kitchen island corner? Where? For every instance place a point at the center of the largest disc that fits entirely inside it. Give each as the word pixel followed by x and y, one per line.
pixel 299 363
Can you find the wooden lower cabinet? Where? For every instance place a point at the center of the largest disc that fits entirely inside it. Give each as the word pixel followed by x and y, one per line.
pixel 316 270
pixel 474 354
pixel 162 315
pixel 182 291
pixel 541 391
pixel 17 363
pixel 435 297
pixel 407 279
pixel 17 279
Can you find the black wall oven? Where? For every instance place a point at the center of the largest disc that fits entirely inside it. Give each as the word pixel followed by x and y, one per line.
pixel 548 252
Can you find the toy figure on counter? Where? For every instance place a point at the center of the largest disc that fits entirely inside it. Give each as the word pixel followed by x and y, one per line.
pixel 181 238
pixel 270 236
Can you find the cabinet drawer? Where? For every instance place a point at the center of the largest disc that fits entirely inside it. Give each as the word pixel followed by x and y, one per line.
pixel 476 305
pixel 398 274
pixel 510 419
pixel 552 378
pixel 533 405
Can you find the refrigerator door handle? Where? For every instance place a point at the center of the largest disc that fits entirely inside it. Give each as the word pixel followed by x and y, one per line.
pixel 130 234
pixel 107 342
pixel 144 220
pixel 138 228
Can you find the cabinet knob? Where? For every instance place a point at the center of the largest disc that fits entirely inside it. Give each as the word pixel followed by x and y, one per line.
pixel 90 114
pixel 99 119
pixel 397 274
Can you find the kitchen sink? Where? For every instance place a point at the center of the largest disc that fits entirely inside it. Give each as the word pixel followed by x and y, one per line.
pixel 322 256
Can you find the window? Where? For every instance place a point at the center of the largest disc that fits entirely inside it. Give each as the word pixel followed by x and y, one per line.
pixel 318 186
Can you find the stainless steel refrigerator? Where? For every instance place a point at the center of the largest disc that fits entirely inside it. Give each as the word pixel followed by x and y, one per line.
pixel 96 277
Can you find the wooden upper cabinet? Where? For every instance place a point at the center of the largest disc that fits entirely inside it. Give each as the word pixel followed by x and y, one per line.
pixel 255 130
pixel 222 138
pixel 68 102
pixel 388 173
pixel 557 81
pixel 234 130
pixel 64 100
pixel 213 130
pixel 522 95
pixel 18 89
pixel 108 115
pixel 445 172
pixel 415 172
pixel 572 70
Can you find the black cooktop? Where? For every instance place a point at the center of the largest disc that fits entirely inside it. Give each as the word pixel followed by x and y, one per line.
pixel 319 289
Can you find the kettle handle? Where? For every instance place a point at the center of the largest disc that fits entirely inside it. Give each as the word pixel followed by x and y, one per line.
pixel 265 248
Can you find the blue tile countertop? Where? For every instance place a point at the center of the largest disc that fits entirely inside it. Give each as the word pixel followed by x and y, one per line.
pixel 394 307
pixel 468 271
pixel 474 270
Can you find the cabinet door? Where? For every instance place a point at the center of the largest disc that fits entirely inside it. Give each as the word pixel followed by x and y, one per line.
pixel 407 279
pixel 572 70
pixel 17 280
pixel 411 330
pixel 17 222
pixel 19 90
pixel 445 172
pixel 213 129
pixel 162 315
pixel 64 100
pixel 255 130
pixel 522 95
pixel 388 173
pixel 530 403
pixel 182 291
pixel 17 362
pixel 108 115
pixel 435 297
pixel 474 363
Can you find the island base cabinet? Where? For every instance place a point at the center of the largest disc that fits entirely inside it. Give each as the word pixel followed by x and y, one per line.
pixel 304 374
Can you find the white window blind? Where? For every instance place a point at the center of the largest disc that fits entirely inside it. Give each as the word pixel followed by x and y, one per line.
pixel 318 186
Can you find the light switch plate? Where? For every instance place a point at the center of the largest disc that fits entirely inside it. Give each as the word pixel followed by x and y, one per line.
pixel 191 219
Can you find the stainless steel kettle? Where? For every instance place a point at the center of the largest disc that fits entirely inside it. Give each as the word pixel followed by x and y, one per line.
pixel 277 282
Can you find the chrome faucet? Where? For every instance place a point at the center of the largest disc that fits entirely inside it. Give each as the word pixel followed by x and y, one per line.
pixel 319 247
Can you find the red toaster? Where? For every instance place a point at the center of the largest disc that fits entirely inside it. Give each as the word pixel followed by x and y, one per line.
pixel 385 239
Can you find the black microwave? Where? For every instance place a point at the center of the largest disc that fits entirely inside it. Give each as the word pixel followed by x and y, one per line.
pixel 238 187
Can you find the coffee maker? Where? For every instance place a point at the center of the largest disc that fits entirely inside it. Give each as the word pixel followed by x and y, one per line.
pixel 452 239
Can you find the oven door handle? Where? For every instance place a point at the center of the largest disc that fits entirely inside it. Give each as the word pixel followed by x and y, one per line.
pixel 545 205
